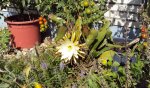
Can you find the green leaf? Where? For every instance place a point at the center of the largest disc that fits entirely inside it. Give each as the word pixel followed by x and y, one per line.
pixel 77 28
pixel 27 70
pixel 121 70
pixel 4 85
pixel 93 81
pixel 114 46
pixel 97 53
pixel 108 34
pixel 101 35
pixel 23 3
pixel 116 64
pixel 103 44
pixel 56 19
pixel 60 33
pixel 114 75
pixel 91 37
pixel 28 1
pixel 36 1
pixel 4 38
pixel 108 55
pixel 109 63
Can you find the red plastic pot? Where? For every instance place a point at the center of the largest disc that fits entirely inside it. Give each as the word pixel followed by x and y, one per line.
pixel 25 34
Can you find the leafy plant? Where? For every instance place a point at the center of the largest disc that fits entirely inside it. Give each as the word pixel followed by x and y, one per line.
pixel 145 15
pixel 28 72
pixel 69 10
pixel 4 40
pixel 103 63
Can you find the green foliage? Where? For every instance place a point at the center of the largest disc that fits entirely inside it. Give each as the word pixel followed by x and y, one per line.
pixel 98 40
pixel 115 74
pixel 93 81
pixel 148 6
pixel 46 70
pixel 145 14
pixel 69 10
pixel 4 39
pixel 91 37
pixel 99 68
pixel 60 32
pixel 43 69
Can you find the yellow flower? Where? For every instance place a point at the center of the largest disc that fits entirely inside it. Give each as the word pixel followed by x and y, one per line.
pixel 37 85
pixel 145 44
pixel 104 62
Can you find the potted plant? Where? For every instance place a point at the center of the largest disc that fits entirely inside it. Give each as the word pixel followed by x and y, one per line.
pixel 24 26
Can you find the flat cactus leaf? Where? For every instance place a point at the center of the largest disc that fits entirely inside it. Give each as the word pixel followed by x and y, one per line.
pixel 97 53
pixel 56 19
pixel 60 33
pixel 101 34
pixel 77 29
pixel 103 44
pixel 108 55
pixel 91 37
pixel 99 38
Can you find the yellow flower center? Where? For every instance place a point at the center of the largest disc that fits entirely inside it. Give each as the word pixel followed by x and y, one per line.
pixel 69 48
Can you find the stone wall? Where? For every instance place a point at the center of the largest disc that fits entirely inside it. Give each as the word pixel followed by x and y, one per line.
pixel 124 13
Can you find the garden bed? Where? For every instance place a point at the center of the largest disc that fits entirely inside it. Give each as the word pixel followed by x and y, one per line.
pixel 79 56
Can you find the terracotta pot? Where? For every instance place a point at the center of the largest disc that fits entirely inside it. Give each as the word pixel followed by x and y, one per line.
pixel 25 34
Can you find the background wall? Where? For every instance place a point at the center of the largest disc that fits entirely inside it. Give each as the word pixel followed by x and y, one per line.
pixel 6 14
pixel 124 13
pixel 2 23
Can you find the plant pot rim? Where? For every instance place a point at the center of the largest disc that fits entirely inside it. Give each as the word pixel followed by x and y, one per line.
pixel 23 22
pixel 8 21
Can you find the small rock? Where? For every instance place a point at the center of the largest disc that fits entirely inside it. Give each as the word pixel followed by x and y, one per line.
pixel 25 51
pixel 7 56
pixel 32 52
pixel 19 54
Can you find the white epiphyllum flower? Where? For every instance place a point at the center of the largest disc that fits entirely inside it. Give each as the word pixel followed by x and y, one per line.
pixel 69 50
